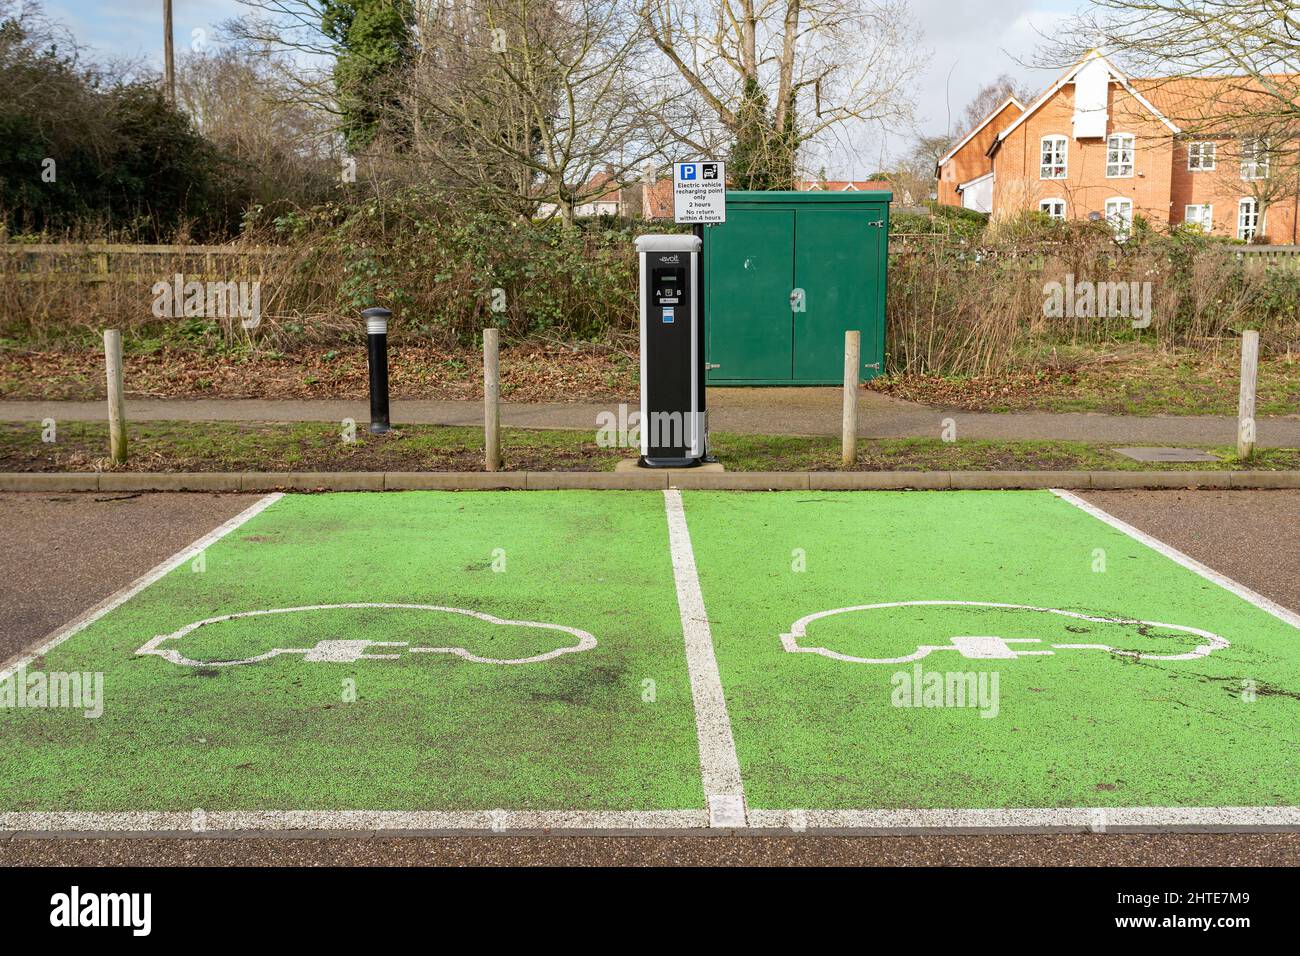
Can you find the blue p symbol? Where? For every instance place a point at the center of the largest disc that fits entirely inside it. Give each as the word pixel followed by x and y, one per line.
pixel 688 171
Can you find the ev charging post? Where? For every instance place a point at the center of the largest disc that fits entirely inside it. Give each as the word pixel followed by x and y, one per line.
pixel 672 414
pixel 674 418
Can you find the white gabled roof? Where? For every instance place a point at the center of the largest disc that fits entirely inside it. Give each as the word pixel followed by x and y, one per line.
pixel 1068 77
pixel 985 122
pixel 978 179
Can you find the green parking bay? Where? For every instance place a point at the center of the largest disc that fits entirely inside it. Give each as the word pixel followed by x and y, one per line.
pixel 579 730
pixel 642 659
pixel 1072 726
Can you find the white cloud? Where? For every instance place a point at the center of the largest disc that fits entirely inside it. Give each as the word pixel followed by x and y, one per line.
pixel 973 42
pixel 967 44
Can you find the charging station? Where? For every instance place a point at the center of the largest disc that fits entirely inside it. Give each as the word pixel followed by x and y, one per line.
pixel 673 423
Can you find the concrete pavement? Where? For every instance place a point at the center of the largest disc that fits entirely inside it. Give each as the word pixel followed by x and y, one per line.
pixel 755 411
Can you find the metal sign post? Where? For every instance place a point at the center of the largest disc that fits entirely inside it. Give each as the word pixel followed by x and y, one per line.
pixel 700 198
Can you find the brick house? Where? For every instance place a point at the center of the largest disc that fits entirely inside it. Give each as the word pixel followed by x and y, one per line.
pixel 1098 144
pixel 965 174
pixel 604 197
pixel 657 199
pixel 839 185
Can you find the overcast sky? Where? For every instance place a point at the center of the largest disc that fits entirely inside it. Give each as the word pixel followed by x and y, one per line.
pixel 969 43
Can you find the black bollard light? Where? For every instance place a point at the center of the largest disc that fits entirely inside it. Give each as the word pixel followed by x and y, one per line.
pixel 377 358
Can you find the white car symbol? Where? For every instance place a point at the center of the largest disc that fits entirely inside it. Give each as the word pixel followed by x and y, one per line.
pixel 992 647
pixel 348 651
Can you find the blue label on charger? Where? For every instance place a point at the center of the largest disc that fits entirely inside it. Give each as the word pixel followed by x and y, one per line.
pixel 668 314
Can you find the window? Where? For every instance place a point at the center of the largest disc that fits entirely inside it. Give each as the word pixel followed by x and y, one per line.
pixel 1247 219
pixel 1200 156
pixel 1201 215
pixel 1119 155
pixel 1254 159
pixel 1052 165
pixel 1054 208
pixel 1119 213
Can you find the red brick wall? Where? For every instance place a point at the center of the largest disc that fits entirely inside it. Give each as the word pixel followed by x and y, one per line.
pixel 1161 187
pixel 1086 186
pixel 970 162
pixel 1224 188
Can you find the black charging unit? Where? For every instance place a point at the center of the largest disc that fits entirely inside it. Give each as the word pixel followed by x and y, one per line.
pixel 673 426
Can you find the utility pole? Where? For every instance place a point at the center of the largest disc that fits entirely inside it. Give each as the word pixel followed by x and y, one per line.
pixel 169 59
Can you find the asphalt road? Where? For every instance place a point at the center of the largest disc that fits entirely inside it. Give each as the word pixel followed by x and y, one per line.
pixel 1251 536
pixel 1080 849
pixel 62 554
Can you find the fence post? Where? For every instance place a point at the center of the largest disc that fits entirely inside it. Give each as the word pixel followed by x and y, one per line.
pixel 116 397
pixel 1246 397
pixel 491 401
pixel 849 435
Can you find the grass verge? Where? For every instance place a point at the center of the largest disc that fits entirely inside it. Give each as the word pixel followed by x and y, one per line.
pixel 316 446
pixel 1131 380
pixel 1136 381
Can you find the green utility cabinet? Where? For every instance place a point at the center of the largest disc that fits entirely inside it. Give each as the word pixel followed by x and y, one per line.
pixel 786 276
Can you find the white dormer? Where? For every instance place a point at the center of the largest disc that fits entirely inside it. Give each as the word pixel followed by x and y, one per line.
pixel 1091 86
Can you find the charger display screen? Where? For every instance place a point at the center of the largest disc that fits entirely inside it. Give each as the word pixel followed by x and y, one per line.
pixel 668 284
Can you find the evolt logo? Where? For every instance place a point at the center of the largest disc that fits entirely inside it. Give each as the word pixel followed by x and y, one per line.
pixel 103 909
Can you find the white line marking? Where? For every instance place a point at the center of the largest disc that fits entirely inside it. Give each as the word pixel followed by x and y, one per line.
pixel 349 651
pixel 968 644
pixel 469 820
pixel 718 764
pixel 1020 819
pixel 1254 597
pixel 139 584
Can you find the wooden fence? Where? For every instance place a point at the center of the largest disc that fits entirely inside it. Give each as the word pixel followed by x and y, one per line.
pixel 972 252
pixel 129 263
pixel 1271 255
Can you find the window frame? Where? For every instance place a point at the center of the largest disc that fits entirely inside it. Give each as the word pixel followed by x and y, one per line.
pixel 1206 207
pixel 1119 164
pixel 1064 164
pixel 1127 229
pixel 1242 203
pixel 1200 146
pixel 1044 203
pixel 1256 163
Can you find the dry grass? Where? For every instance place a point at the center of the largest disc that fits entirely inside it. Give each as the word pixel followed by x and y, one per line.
pixel 978 312
pixel 954 308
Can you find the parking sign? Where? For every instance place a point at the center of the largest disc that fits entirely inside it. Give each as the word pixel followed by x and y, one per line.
pixel 700 192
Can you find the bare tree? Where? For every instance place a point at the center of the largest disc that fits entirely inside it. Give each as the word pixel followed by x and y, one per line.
pixel 289 36
pixel 1260 162
pixel 239 102
pixel 988 98
pixel 773 75
pixel 521 103
pixel 1255 39
pixel 533 101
